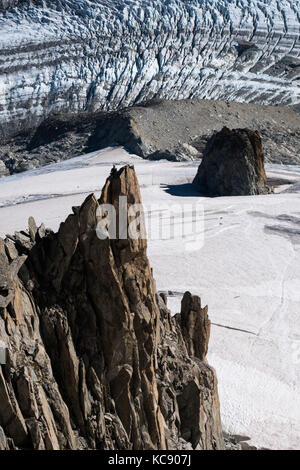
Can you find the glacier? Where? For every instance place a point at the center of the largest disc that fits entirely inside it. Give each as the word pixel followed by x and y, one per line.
pixel 88 55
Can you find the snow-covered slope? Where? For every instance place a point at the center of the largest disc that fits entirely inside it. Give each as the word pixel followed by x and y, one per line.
pixel 68 55
pixel 247 271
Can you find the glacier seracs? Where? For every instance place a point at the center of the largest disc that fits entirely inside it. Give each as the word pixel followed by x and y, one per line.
pixel 69 56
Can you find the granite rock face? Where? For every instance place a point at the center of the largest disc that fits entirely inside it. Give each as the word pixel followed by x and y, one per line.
pixel 94 358
pixel 195 325
pixel 70 56
pixel 233 164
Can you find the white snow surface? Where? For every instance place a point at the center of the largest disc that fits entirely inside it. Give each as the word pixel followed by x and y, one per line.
pixel 247 271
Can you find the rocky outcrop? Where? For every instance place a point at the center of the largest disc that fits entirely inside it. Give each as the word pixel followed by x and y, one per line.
pixel 233 164
pixel 69 56
pixel 195 325
pixel 94 358
pixel 173 130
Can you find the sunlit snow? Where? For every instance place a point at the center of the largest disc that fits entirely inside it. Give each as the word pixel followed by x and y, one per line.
pixel 247 271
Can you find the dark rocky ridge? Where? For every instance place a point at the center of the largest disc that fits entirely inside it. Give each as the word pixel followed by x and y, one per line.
pixel 233 165
pixel 94 358
pixel 175 130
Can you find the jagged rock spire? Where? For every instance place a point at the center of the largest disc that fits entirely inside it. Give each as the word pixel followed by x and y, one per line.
pixel 95 359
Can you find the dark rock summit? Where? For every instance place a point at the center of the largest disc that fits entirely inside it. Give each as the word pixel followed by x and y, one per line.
pixel 94 358
pixel 233 164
